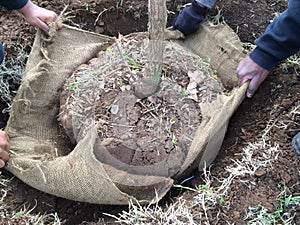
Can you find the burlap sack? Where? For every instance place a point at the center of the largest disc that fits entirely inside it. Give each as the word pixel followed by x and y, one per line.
pixel 43 157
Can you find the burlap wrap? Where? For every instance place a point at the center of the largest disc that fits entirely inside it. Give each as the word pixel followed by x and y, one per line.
pixel 43 157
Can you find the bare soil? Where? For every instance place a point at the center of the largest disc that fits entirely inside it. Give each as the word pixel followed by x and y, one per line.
pixel 276 97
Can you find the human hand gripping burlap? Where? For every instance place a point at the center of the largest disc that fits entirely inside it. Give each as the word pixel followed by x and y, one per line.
pixel 39 17
pixel 34 15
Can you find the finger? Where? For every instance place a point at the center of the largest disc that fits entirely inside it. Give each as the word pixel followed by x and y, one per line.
pixel 53 17
pixel 4 156
pixel 48 16
pixel 4 147
pixel 42 25
pixel 43 22
pixel 242 80
pixel 3 135
pixel 59 25
pixel 2 163
pixel 253 85
pixel 4 144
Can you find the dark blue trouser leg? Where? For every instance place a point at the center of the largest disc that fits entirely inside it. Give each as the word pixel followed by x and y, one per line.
pixel 1 53
pixel 296 143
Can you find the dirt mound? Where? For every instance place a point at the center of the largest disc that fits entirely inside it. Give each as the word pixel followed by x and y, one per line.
pixel 150 135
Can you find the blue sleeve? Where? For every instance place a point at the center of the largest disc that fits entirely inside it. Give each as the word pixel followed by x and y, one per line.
pixel 280 40
pixel 13 4
pixel 207 3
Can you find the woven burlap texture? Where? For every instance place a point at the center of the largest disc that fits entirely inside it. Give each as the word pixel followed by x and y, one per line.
pixel 42 155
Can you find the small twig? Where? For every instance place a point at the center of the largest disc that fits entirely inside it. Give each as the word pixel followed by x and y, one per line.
pixel 148 110
pixel 122 125
pixel 100 14
pixel 122 56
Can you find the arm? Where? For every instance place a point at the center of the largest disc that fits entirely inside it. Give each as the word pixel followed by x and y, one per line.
pixel 38 16
pixel 33 14
pixel 13 4
pixel 280 40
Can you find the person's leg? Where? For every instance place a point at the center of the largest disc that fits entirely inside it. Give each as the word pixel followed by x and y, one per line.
pixel 207 3
pixel 1 53
pixel 296 143
pixel 190 18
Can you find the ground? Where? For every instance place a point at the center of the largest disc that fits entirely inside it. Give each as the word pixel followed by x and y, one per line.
pixel 269 111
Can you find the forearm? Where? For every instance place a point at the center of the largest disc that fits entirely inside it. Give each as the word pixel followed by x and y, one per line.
pixel 207 3
pixel 13 4
pixel 280 40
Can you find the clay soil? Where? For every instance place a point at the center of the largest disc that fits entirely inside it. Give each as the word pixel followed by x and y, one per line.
pixel 274 100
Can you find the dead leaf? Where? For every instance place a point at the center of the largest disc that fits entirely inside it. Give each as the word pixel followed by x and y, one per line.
pixel 196 76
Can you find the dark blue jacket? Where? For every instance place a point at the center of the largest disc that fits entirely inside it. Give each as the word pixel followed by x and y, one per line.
pixel 281 38
pixel 13 4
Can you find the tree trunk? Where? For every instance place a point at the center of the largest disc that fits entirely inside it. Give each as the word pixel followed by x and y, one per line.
pixel 156 27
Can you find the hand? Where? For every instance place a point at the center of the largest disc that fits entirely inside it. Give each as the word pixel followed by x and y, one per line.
pixel 190 18
pixel 38 16
pixel 4 148
pixel 248 70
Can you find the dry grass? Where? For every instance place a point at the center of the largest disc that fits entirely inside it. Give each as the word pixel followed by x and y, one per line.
pixel 11 73
pixel 23 216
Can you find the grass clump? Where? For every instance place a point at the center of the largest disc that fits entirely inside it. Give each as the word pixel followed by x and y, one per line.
pixel 178 213
pixel 11 73
pixel 291 64
pixel 24 215
pixel 284 211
